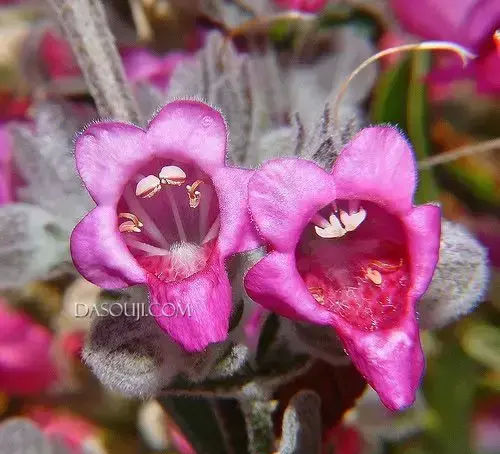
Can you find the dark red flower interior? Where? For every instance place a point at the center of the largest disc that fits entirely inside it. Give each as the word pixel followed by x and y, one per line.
pixel 363 276
pixel 175 239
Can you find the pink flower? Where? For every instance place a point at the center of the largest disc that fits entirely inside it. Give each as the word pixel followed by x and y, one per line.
pixel 144 66
pixel 5 166
pixel 471 23
pixel 348 249
pixel 169 212
pixel 486 428
pixel 74 432
pixel 306 6
pixel 26 366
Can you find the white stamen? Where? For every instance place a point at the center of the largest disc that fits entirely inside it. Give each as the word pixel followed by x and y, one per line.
pixel 148 187
pixel 333 230
pixel 213 232
pixel 151 250
pixel 177 217
pixel 149 226
pixel 353 220
pixel 374 276
pixel 193 194
pixel 172 175
pixel 129 227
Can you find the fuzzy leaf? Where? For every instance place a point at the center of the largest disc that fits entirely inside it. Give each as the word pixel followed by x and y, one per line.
pixel 45 161
pixel 86 28
pixel 129 354
pixel 234 362
pixel 460 280
pixel 301 433
pixel 21 436
pixel 258 410
pixel 31 244
pixel 375 420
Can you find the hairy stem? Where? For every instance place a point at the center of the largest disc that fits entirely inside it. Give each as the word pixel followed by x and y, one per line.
pixel 462 152
pixel 86 28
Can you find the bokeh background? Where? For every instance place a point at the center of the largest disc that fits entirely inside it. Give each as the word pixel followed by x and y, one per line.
pixel 458 409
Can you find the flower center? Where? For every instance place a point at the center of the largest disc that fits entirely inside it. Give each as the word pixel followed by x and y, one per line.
pixel 353 259
pixel 169 218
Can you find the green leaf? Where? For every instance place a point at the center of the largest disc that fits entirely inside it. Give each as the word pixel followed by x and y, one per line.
pixel 450 388
pixel 482 343
pixel 417 124
pixel 400 98
pixel 196 419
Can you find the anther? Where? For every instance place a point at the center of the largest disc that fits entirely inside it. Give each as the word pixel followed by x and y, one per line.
pixel 318 294
pixel 374 276
pixel 131 217
pixel 353 220
pixel 148 187
pixel 386 266
pixel 132 225
pixel 333 230
pixel 172 175
pixel 193 194
pixel 129 227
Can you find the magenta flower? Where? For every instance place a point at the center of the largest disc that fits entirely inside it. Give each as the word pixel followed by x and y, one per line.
pixel 307 6
pixel 75 433
pixel 169 212
pixel 26 365
pixel 348 249
pixel 5 166
pixel 144 66
pixel 471 23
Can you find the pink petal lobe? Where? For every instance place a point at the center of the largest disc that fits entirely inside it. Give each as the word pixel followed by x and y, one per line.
pixel 5 166
pixel 275 283
pixel 194 311
pixel 283 197
pixel 378 166
pixel 237 232
pixel 190 131
pixel 423 227
pixel 391 360
pixel 107 154
pixel 434 20
pixel 99 253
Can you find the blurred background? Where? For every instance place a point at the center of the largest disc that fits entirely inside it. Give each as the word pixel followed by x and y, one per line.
pixel 442 109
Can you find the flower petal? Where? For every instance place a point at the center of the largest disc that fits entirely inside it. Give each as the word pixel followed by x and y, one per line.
pixel 194 311
pixel 275 283
pixel 190 131
pixel 377 165
pixel 391 360
pixel 283 197
pixel 423 227
pixel 99 253
pixel 106 156
pixel 434 20
pixel 237 232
